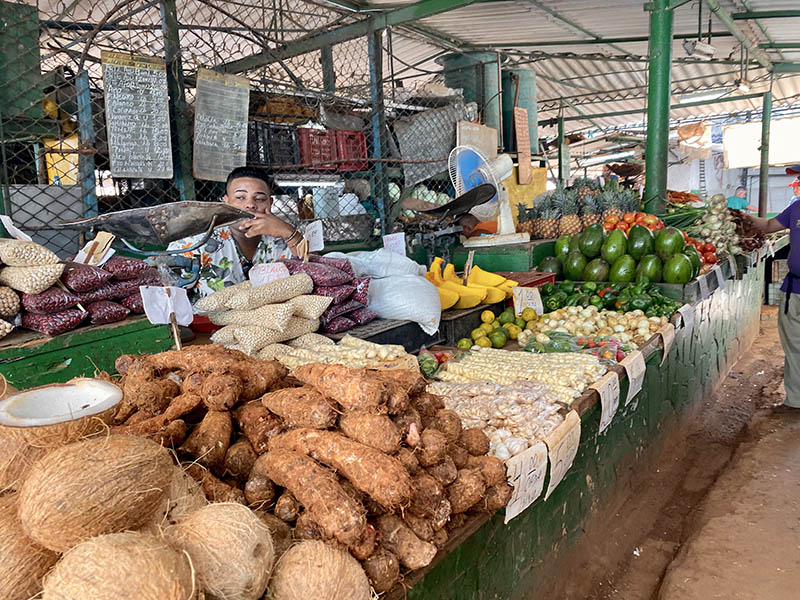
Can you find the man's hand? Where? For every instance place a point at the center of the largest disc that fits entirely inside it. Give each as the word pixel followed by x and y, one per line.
pixel 266 224
pixel 761 224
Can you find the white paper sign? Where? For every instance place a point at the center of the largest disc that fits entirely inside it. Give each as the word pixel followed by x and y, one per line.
pixel 687 315
pixel 159 302
pixel 313 233
pixel 265 272
pixel 667 334
pixel 720 277
pixel 527 297
pixel 526 473
pixel 12 230
pixel 562 446
pixel 395 242
pixel 732 263
pixel 635 369
pixel 608 388
pixel 703 282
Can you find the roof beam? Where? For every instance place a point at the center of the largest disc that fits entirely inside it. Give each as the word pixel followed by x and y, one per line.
pixel 765 14
pixel 727 20
pixel 316 40
pixel 612 40
pixel 787 67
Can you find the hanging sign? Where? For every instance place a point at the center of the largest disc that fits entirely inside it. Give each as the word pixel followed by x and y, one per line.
pixel 562 447
pixel 266 272
pixel 395 242
pixel 667 334
pixel 635 369
pixel 526 472
pixel 608 389
pixel 314 236
pixel 527 297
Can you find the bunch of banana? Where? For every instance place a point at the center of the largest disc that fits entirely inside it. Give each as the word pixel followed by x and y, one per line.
pixel 482 286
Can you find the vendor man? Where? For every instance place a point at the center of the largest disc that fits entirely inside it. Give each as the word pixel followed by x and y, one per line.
pixel 230 252
pixel 739 200
pixel 789 308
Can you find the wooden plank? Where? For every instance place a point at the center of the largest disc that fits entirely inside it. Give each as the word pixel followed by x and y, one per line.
pixel 524 175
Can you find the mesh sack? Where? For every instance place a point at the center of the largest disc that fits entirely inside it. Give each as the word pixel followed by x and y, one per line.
pixel 273 316
pixel 337 263
pixel 218 300
pixel 362 316
pixel 5 328
pixel 309 307
pixel 338 310
pixel 298 326
pixel 339 324
pixel 273 292
pixel 252 338
pixel 9 302
pixel 83 278
pixel 272 351
pixel 311 341
pixel 361 292
pixel 133 303
pixel 320 273
pixel 51 300
pixel 124 268
pixel 19 253
pixel 106 312
pixel 54 323
pixel 31 280
pixel 339 293
pixel 224 336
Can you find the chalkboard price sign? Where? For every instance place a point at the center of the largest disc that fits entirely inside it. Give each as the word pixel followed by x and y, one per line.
pixel 220 124
pixel 137 115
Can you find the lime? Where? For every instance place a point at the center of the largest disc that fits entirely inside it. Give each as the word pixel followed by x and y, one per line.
pixel 487 316
pixel 528 314
pixel 498 340
pixel 506 317
pixel 501 331
pixel 486 328
pixel 464 343
pixel 495 324
pixel 519 322
pixel 477 333
pixel 483 342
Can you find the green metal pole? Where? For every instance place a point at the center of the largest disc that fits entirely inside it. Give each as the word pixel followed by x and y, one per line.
pixel 658 93
pixel 378 175
pixel 328 71
pixel 763 176
pixel 560 140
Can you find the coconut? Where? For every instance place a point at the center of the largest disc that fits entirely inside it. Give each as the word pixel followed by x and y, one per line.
pixel 54 415
pixel 183 498
pixel 120 566
pixel 92 487
pixel 313 569
pixel 16 459
pixel 231 550
pixel 23 562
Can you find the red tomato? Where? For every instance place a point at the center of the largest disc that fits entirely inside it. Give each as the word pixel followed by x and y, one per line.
pixel 608 226
pixel 629 218
pixel 653 220
pixel 709 247
pixel 623 226
pixel 685 237
pixel 613 219
pixel 710 258
pixel 660 225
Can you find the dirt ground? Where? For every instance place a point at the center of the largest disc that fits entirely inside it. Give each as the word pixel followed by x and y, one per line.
pixel 714 512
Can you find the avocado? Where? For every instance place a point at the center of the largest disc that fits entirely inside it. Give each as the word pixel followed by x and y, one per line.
pixel 678 269
pixel 596 270
pixel 640 242
pixel 650 267
pixel 591 241
pixel 669 242
pixel 574 265
pixel 614 246
pixel 562 247
pixel 623 270
pixel 694 256
pixel 550 264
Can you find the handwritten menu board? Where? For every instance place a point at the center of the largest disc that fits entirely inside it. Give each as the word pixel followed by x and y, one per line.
pixel 220 124
pixel 137 115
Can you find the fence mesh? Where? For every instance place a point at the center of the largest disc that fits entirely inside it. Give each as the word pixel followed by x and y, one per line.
pixel 312 116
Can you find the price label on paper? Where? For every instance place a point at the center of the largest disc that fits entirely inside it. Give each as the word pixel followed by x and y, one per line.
pixel 526 473
pixel 687 316
pixel 527 297
pixel 667 334
pixel 12 230
pixel 562 447
pixel 395 242
pixel 97 252
pixel 720 277
pixel 635 369
pixel 266 272
pixel 608 388
pixel 159 302
pixel 732 263
pixel 313 233
pixel 703 282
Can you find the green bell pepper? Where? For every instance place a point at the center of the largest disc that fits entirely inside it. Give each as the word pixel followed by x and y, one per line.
pixel 567 286
pixel 583 300
pixel 641 302
pixel 548 289
pixel 589 287
pixel 610 301
pixel 596 301
pixel 573 299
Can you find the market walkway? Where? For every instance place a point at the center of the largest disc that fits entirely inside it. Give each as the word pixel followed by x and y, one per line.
pixel 747 544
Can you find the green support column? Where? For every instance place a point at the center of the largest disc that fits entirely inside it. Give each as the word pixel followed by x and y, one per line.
pixel 658 94
pixel 180 128
pixel 562 168
pixel 379 179
pixel 763 176
pixel 328 72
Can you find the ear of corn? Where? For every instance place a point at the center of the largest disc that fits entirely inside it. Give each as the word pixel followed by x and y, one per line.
pixel 18 253
pixel 31 280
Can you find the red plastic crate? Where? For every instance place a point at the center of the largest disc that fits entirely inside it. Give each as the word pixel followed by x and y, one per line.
pixel 317 148
pixel 529 279
pixel 352 149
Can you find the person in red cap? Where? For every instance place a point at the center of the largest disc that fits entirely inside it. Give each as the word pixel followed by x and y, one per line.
pixel 795 185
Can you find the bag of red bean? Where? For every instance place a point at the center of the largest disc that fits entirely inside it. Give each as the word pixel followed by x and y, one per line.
pixel 83 278
pixel 134 303
pixel 361 293
pixel 336 310
pixel 339 293
pixel 362 316
pixel 338 325
pixel 51 300
pixel 54 323
pixel 320 273
pixel 124 268
pixel 337 263
pixel 106 312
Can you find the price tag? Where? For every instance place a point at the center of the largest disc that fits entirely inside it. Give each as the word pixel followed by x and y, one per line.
pixel 264 273
pixel 160 302
pixel 732 263
pixel 97 252
pixel 687 316
pixel 526 473
pixel 608 388
pixel 13 231
pixel 395 242
pixel 703 282
pixel 527 297
pixel 635 369
pixel 667 334
pixel 313 233
pixel 720 277
pixel 562 446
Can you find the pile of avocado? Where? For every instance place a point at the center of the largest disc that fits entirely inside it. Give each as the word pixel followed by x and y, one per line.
pixel 596 256
pixel 621 297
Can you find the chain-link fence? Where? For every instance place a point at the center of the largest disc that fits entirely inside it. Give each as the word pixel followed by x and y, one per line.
pixel 345 129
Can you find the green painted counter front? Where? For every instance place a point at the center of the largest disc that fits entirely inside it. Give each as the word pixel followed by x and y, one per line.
pixel 511 561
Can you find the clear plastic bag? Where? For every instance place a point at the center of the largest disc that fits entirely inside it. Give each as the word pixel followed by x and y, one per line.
pixel 124 268
pixel 336 310
pixel 362 290
pixel 133 303
pixel 106 312
pixel 339 293
pixel 362 316
pixel 51 300
pixel 337 263
pixel 338 325
pixel 54 323
pixel 321 274
pixel 83 278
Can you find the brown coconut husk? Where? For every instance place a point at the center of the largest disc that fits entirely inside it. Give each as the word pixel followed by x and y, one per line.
pixel 120 566
pixel 16 460
pixel 97 486
pixel 231 550
pixel 313 569
pixel 23 562
pixel 183 498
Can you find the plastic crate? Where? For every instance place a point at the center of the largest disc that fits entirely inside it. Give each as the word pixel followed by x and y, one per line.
pixel 272 145
pixel 352 149
pixel 317 149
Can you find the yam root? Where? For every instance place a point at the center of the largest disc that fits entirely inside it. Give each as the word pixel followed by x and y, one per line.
pixel 475 441
pixel 257 424
pixel 173 435
pixel 307 528
pixel 193 382
pixel 287 507
pixel 124 362
pixel 183 404
pixel 440 538
pixel 412 382
pixel 383 570
pixel 493 470
pixel 441 515
pixel 138 417
pixel 373 430
pixel 422 528
pixel 301 407
pixel 280 532
pixel 381 476
pixel 466 491
pixel 214 488
pixel 449 423
pixel 433 447
pixel 427 495
pixel 396 537
pixel 445 472
pixel 208 443
pixel 240 458
pixel 353 389
pixel 457 522
pixel 259 491
pixel 496 497
pixel 365 547
pixel 427 405
pixel 410 425
pixel 221 392
pixel 458 454
pixel 318 491
pixel 141 393
pixel 409 460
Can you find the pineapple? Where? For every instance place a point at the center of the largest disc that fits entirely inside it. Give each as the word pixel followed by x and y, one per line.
pixel 551 213
pixel 592 210
pixel 613 203
pixel 570 222
pixel 524 219
pixel 585 187
pixel 630 201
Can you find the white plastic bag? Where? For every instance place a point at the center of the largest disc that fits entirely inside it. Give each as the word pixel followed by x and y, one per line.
pixel 406 298
pixel 380 263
